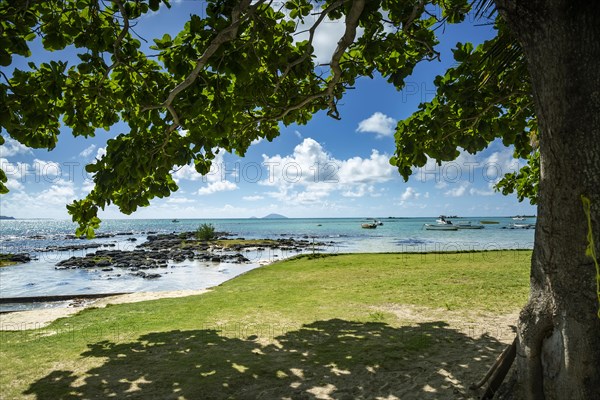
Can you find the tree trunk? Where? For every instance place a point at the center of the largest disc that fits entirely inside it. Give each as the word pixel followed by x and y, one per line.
pixel 558 354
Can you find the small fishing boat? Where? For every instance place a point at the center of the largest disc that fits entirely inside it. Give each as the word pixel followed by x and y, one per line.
pixel 369 225
pixel 175 220
pixel 518 218
pixel 488 222
pixel 440 227
pixel 468 225
pixel 521 226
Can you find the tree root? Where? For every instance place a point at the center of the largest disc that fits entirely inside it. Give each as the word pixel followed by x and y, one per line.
pixel 497 372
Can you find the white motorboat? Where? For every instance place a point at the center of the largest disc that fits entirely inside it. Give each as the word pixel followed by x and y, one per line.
pixel 521 226
pixel 440 227
pixel 467 225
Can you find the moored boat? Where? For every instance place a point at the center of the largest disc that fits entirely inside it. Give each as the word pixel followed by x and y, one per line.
pixel 369 225
pixel 521 226
pixel 440 227
pixel 468 225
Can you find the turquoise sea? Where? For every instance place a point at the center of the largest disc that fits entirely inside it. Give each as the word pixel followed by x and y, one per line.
pixel 340 235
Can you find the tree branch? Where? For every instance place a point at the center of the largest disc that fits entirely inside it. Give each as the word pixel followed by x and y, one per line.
pixel 311 34
pixel 346 40
pixel 224 36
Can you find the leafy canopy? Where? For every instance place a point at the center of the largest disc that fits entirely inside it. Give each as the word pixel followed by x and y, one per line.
pixel 233 75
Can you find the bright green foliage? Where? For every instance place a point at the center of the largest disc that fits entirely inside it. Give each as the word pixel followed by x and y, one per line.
pixel 488 95
pixel 525 182
pixel 205 232
pixel 233 76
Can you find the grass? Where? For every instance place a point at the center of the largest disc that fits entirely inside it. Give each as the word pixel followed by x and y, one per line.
pixel 4 263
pixel 5 260
pixel 328 308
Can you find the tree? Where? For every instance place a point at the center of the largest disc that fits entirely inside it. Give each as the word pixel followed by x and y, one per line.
pixel 235 74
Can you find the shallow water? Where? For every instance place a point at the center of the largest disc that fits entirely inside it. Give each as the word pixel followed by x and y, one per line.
pixel 342 235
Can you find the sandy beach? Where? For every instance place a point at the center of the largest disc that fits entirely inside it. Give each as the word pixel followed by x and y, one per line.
pixel 40 318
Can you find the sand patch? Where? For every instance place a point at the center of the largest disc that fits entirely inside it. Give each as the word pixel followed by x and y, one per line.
pixel 40 318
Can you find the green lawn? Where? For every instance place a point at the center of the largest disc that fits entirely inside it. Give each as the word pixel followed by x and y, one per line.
pixel 278 331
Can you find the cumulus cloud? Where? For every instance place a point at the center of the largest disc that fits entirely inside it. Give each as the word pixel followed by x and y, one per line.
pixel 60 193
pixel 378 123
pixel 468 168
pixel 179 200
pixel 13 147
pixel 214 187
pixel 215 174
pixel 459 191
pixel 101 152
pixel 409 194
pixel 48 203
pixel 88 151
pixel 310 175
pixel 39 171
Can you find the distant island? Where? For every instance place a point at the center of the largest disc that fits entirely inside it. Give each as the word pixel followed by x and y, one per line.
pixel 4 217
pixel 274 216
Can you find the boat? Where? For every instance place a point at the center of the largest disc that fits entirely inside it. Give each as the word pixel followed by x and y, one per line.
pixel 175 220
pixel 379 223
pixel 518 218
pixel 468 225
pixel 440 227
pixel 488 222
pixel 521 226
pixel 443 220
pixel 369 225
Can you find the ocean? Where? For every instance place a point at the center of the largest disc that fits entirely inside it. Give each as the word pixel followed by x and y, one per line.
pixel 338 235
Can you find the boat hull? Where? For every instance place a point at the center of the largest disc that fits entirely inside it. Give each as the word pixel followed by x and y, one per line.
pixel 440 227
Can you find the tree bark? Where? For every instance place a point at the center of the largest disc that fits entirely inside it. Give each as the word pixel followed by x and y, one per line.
pixel 558 353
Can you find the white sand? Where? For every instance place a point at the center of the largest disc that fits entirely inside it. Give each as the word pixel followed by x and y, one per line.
pixel 35 319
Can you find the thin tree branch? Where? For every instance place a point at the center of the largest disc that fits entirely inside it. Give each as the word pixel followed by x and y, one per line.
pixel 224 36
pixel 311 34
pixel 346 40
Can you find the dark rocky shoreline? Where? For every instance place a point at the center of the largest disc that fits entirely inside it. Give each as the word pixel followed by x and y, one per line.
pixel 160 249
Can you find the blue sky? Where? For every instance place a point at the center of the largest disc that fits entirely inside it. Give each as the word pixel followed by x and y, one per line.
pixel 327 168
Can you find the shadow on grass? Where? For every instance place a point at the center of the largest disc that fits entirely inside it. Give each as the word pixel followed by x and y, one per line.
pixel 326 359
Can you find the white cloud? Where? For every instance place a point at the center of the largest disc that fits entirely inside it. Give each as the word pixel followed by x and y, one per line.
pixel 458 191
pixel 468 168
pixel 60 193
pixel 48 203
pixel 101 152
pixel 13 147
pixel 214 187
pixel 499 164
pixel 253 198
pixel 179 200
pixel 13 184
pixel 88 151
pixel 215 174
pixel 310 175
pixel 87 187
pixel 378 123
pixel 479 192
pixel 39 171
pixel 409 194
